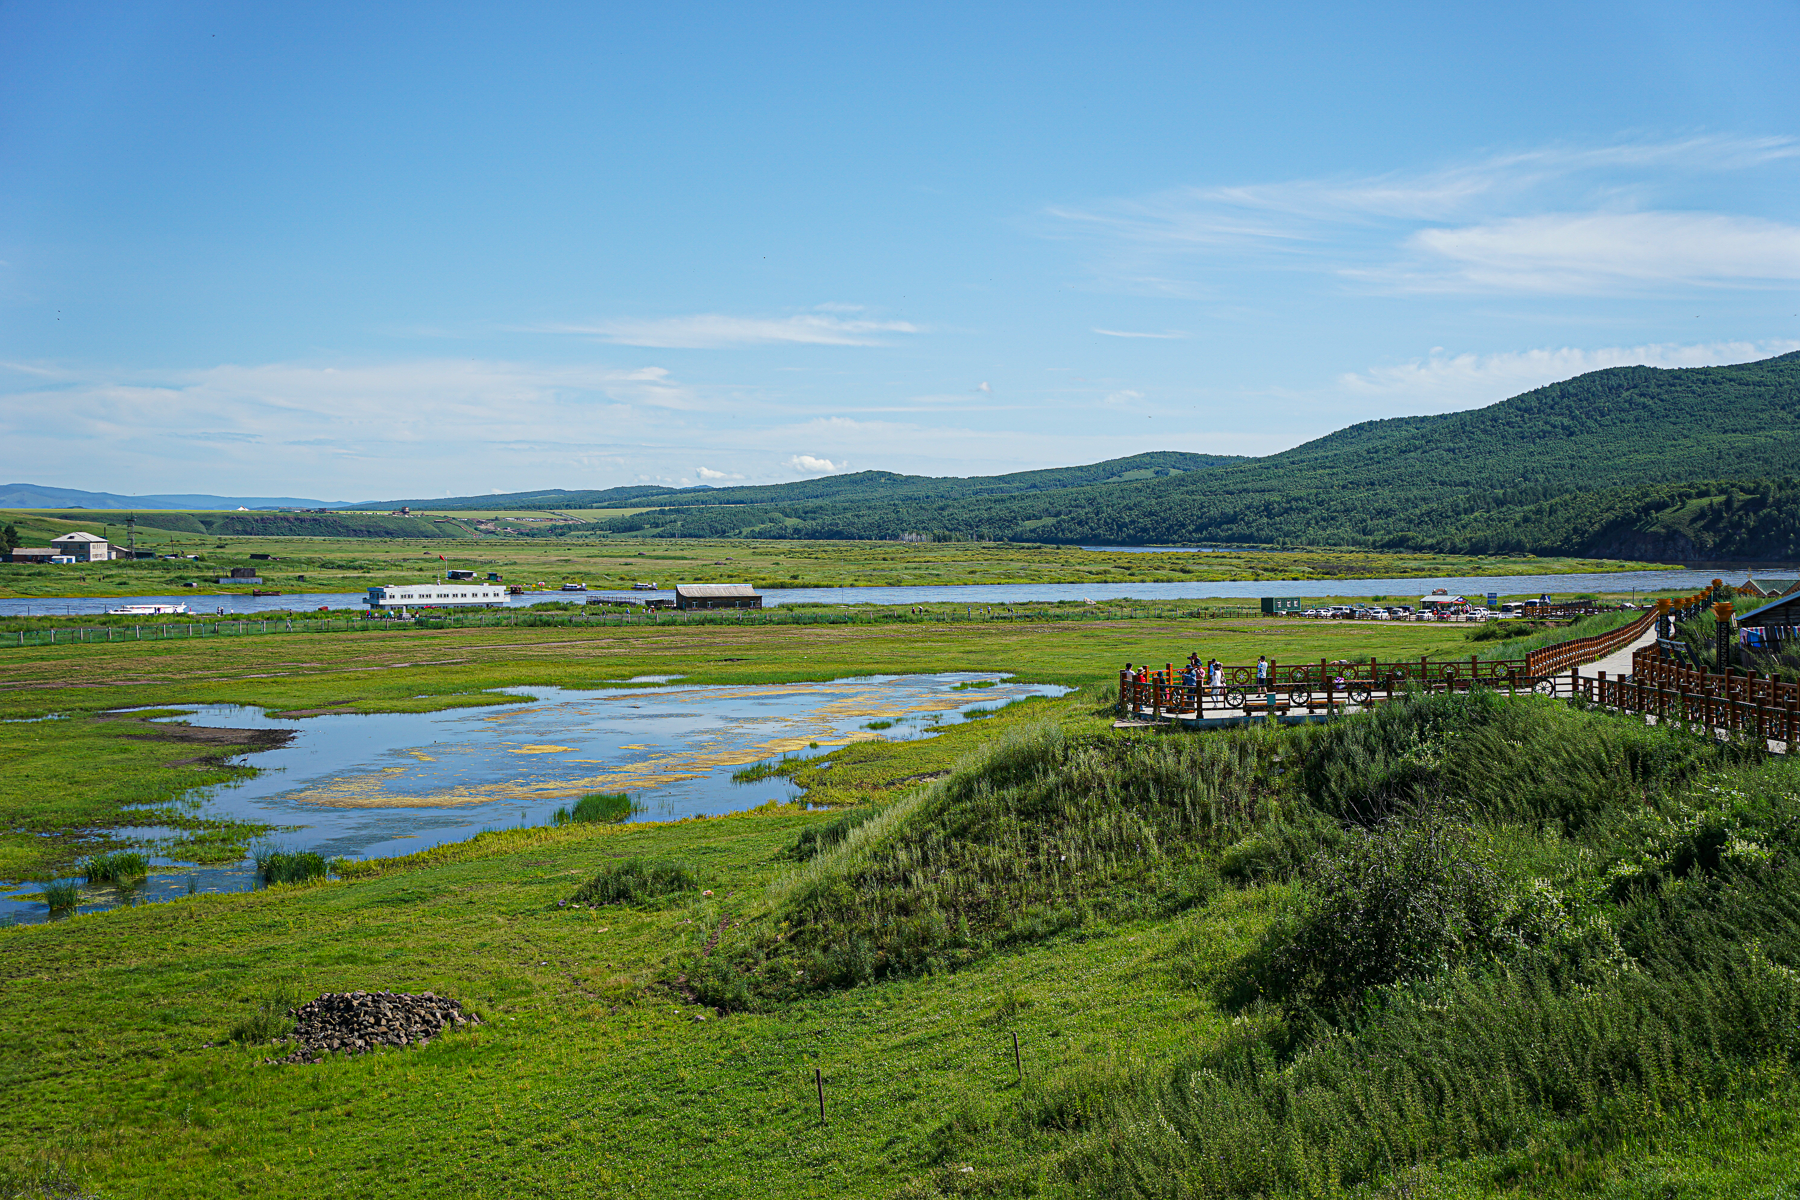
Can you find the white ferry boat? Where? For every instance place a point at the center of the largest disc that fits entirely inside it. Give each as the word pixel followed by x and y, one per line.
pixel 148 610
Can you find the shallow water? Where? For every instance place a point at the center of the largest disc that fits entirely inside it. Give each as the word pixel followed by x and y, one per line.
pixel 378 784
pixel 971 594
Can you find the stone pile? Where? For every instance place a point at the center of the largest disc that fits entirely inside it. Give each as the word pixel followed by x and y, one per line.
pixel 358 1022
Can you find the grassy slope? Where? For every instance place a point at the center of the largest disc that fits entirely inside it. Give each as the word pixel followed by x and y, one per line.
pixel 587 1081
pixel 1457 481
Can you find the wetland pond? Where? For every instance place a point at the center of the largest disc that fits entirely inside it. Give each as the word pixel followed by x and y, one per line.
pixel 378 784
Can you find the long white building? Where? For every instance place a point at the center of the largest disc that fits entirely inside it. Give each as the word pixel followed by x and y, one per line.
pixel 455 594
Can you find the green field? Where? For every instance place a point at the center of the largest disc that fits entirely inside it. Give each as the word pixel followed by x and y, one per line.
pixel 301 565
pixel 1145 912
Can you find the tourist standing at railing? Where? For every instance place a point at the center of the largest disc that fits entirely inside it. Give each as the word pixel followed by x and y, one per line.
pixel 1216 677
pixel 1262 672
pixel 1190 679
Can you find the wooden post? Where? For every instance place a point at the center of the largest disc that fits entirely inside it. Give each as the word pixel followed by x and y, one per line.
pixel 1018 1062
pixel 819 1082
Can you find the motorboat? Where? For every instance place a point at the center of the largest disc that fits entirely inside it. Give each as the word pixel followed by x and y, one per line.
pixel 574 587
pixel 148 610
pixel 644 587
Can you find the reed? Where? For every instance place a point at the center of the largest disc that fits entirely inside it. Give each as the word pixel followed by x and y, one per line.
pixel 118 867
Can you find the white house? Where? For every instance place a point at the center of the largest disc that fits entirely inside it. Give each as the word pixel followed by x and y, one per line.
pixel 82 547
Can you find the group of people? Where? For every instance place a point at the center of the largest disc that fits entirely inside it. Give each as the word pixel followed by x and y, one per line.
pixel 1196 675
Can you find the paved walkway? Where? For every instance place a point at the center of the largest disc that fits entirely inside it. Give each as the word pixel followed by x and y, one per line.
pixel 1619 661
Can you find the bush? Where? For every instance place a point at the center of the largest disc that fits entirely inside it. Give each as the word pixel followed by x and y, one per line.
pixel 1400 902
pixel 636 881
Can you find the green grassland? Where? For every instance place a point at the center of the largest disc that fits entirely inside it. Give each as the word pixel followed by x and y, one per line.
pixel 55 803
pixel 302 565
pixel 1587 986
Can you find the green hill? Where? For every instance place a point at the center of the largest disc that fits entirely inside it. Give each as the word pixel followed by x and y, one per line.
pixel 262 524
pixel 860 486
pixel 1519 475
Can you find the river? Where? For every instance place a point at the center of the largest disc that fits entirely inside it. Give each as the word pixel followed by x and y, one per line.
pixel 978 593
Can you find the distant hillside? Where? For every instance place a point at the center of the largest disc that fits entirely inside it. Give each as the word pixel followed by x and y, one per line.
pixel 31 495
pixel 248 524
pixel 863 485
pixel 1479 481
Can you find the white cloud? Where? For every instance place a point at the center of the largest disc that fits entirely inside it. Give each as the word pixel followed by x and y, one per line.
pixel 983 386
pixel 809 465
pixel 707 473
pixel 1554 219
pixel 709 331
pixel 1172 334
pixel 1445 382
pixel 1601 251
pixel 1124 398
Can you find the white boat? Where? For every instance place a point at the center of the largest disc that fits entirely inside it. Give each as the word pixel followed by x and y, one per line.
pixel 574 587
pixel 643 587
pixel 148 610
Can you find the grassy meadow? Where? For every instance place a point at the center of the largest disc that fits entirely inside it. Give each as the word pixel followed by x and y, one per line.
pixel 1460 947
pixel 303 565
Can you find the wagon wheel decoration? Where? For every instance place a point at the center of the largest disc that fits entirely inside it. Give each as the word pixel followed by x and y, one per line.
pixel 1240 675
pixel 1300 695
pixel 1358 696
pixel 1234 697
pixel 1545 687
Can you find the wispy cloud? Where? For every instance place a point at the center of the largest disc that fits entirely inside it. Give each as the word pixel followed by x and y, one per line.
pixel 1442 381
pixel 709 474
pixel 1605 250
pixel 1552 219
pixel 1173 334
pixel 711 331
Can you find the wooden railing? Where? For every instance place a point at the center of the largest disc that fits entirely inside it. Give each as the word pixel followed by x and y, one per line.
pixel 1330 684
pixel 1575 652
pixel 1749 704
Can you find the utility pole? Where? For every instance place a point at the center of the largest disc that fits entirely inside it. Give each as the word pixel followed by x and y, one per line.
pixel 131 536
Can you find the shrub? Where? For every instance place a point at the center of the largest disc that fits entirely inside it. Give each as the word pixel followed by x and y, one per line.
pixel 1400 902
pixel 636 881
pixel 121 866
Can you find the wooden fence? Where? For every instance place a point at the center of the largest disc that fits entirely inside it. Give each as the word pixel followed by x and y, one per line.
pixel 1328 684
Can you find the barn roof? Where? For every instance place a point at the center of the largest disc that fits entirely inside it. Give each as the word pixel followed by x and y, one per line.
pixel 713 591
pixel 76 537
pixel 1785 611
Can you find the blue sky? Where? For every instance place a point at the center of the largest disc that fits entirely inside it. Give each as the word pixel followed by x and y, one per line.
pixel 370 251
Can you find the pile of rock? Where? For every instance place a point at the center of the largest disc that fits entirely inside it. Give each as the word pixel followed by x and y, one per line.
pixel 358 1022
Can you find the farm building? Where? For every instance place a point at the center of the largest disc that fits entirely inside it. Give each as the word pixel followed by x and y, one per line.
pixel 716 595
pixel 82 547
pixel 31 554
pixel 1768 587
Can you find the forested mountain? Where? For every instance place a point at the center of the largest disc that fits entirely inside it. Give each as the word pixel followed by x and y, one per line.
pixel 1607 457
pixel 862 485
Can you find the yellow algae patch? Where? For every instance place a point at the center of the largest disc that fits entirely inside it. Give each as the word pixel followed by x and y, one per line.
pixel 634 747
pixel 421 756
pixel 541 749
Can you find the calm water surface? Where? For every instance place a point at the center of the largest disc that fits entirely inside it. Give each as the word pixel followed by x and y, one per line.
pixel 971 594
pixel 379 784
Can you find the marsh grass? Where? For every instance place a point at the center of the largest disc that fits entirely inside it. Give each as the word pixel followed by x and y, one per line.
pixel 637 881
pixel 289 866
pixel 120 867
pixel 61 897
pixel 600 807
